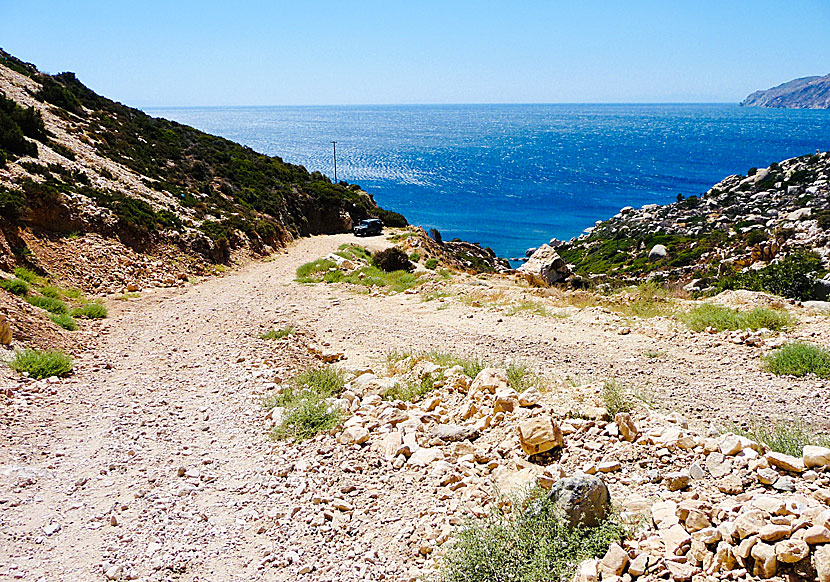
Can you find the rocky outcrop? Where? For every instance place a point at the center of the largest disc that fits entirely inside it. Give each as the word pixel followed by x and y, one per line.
pixel 544 267
pixel 803 93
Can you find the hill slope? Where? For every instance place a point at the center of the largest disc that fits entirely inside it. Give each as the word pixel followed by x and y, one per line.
pixel 804 93
pixel 73 162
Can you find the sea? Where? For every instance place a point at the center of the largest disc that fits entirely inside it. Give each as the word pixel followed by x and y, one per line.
pixel 512 177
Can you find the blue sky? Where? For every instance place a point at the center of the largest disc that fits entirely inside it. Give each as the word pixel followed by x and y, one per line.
pixel 185 52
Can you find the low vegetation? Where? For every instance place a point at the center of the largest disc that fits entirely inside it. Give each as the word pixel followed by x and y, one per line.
pixel 530 307
pixel 15 286
pixel 90 311
pixel 411 391
pixel 789 438
pixel 799 359
pixel 391 260
pixel 790 277
pixel 275 334
pixel 64 320
pixel 41 364
pixel 326 270
pixel 532 543
pixel 616 397
pixel 51 305
pixel 307 410
pixel 723 318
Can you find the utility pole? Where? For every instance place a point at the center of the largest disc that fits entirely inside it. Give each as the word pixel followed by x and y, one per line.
pixel 334 145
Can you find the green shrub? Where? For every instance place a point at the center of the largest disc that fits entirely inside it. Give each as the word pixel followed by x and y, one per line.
pixel 353 252
pixel 308 272
pixel 50 291
pixel 531 544
pixel 799 359
pixel 278 333
pixel 789 438
pixel 391 259
pixel 721 318
pixel 52 305
pixel 469 366
pixel 411 391
pixel 431 263
pixel 323 381
pixel 28 276
pixel 39 364
pixel 65 321
pixel 91 311
pixel 522 378
pixel 15 286
pixel 616 398
pixel 390 218
pixel 307 415
pixel 415 257
pixel 791 277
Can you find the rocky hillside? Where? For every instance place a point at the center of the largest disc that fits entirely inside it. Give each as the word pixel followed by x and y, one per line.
pixel 76 165
pixel 804 93
pixel 766 228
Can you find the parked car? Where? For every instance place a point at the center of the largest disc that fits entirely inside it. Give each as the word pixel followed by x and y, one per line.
pixel 369 227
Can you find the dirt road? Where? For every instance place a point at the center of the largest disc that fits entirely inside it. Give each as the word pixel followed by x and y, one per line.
pixel 151 462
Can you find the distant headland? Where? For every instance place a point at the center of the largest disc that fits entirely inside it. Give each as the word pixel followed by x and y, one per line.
pixel 803 93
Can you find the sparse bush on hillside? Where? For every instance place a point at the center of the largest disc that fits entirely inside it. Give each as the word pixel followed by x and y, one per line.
pixel 39 364
pixel 308 272
pixel 616 398
pixel 431 264
pixel 435 235
pixel 391 259
pixel 15 286
pixel 411 391
pixel 532 543
pixel 279 333
pixel 791 277
pixel 799 359
pixel 51 305
pixel 389 218
pixel 415 257
pixel 307 412
pixel 28 276
pixel 65 321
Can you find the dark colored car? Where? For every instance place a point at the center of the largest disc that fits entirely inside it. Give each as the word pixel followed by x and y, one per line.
pixel 369 227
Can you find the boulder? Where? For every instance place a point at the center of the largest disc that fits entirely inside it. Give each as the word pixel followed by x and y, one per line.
pixel 626 426
pixel 423 457
pixel 791 551
pixel 821 561
pixel 583 499
pixel 785 462
pixel 813 456
pixel 539 434
pixel 354 435
pixel 451 433
pixel 5 331
pixel 657 252
pixel 766 564
pixel 614 562
pixel 544 267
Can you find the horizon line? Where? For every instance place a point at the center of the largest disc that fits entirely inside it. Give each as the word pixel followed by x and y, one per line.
pixel 454 104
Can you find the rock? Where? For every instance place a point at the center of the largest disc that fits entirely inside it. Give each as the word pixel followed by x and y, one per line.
pixel 539 434
pixel 5 331
pixel 765 561
pixel 718 465
pixel 677 540
pixel 818 534
pixel 767 476
pixel 678 480
pixel 638 565
pixel 582 498
pixel 773 532
pixel 791 551
pixel 609 466
pixel 452 433
pixel 731 485
pixel 423 457
pixel 697 521
pixel 587 572
pixel 490 380
pixel 507 400
pixel 614 562
pixel 696 471
pixel 680 572
pixel 113 572
pixel 812 456
pixel 354 435
pixel 628 430
pixel 724 559
pixel 821 562
pixel 800 214
pixel 785 462
pixel 657 252
pixel 529 398
pixel 544 267
pixel 784 483
pixel 749 523
pixel 731 444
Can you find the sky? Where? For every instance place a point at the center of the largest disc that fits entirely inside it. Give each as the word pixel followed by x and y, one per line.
pixel 326 52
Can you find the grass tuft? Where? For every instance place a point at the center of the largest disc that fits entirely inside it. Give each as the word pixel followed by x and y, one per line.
pixel 522 378
pixel 275 334
pixel 531 544
pixel 799 359
pixel 528 306
pixel 789 438
pixel 15 286
pixel 91 311
pixel 39 364
pixel 28 276
pixel 308 273
pixel 55 306
pixel 65 321
pixel 307 412
pixel 616 398
pixel 411 391
pixel 723 318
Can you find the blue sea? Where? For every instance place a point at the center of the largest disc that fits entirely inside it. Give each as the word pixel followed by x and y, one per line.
pixel 513 176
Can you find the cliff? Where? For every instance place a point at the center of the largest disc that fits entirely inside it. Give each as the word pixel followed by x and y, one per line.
pixel 804 93
pixel 77 166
